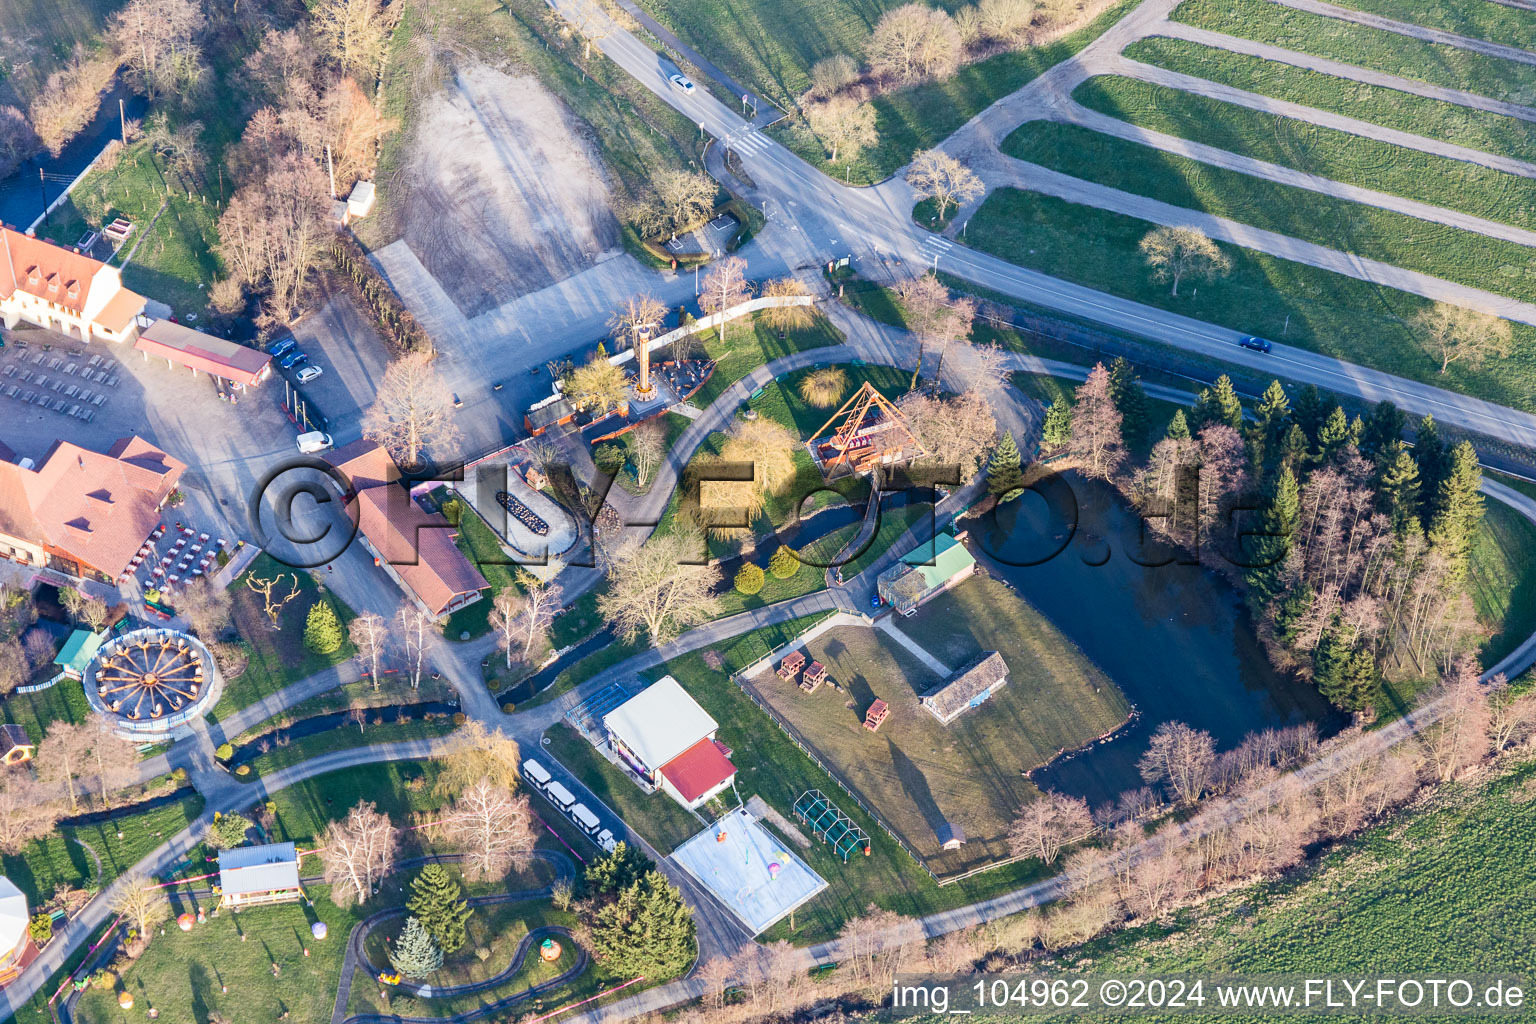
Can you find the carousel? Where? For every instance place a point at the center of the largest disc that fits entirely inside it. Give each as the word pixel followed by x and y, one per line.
pixel 149 681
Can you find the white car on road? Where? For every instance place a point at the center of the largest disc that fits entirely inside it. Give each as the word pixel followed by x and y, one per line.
pixel 681 82
pixel 309 373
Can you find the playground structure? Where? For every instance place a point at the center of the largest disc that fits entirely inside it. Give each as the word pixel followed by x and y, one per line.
pixel 149 681
pixel 831 825
pixel 871 433
pixel 749 870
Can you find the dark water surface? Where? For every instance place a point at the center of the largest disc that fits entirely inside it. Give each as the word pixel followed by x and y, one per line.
pixel 1175 638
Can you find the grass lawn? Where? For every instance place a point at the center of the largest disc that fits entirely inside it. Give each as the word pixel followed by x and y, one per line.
pixel 770 765
pixel 58 859
pixel 673 425
pixel 1340 156
pixel 64 701
pixel 1289 302
pixel 924 115
pixel 894 524
pixel 40 36
pixel 918 773
pixel 277 657
pixel 483 549
pixel 398 788
pixel 1393 900
pixel 663 822
pixel 1445 252
pixel 752 344
pixel 1503 579
pixel 1372 48
pixel 343 738
pixel 1464 126
pixel 1495 22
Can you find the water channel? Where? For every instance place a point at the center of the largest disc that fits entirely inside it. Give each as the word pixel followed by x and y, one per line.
pixel 1175 637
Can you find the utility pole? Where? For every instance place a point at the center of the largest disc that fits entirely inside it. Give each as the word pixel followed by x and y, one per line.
pixel 331 169
pixel 42 186
pixel 122 120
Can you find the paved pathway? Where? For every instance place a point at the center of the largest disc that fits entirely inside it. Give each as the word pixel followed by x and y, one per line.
pixel 1403 28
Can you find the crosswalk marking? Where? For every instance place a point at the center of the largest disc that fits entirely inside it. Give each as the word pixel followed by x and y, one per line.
pixel 746 140
pixel 935 246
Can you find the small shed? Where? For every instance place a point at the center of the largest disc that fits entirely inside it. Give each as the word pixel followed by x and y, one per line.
pixel 253 875
pixel 877 714
pixel 15 746
pixel 791 665
pixel 360 202
pixel 951 836
pixel 815 675
pixel 78 651
pixel 928 569
pixel 974 684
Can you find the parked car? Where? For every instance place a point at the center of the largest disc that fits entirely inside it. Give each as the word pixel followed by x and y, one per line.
pixel 681 82
pixel 309 373
pixel 314 441
pixel 292 359
pixel 1257 344
pixel 280 347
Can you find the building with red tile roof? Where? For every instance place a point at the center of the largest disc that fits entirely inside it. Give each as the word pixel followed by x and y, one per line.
pixel 664 737
pixel 697 774
pixel 182 346
pixel 63 290
pixel 415 547
pixel 83 512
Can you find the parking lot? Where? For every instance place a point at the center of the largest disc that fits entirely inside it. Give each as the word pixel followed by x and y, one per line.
pixel 351 357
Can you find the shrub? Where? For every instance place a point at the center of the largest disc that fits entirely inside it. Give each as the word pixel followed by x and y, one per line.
pixel 508 708
pixel 459 718
pixel 222 558
pixel 824 388
pixel 609 457
pixel 750 579
pixel 103 979
pixel 783 564
pixel 41 928
pixel 179 774
pixel 322 630
pixel 224 751
pixel 243 770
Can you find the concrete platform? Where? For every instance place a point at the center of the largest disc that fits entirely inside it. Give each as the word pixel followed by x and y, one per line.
pixel 751 872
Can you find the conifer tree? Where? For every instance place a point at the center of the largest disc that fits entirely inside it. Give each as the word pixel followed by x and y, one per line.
pixel 1332 436
pixel 1382 430
pixel 1430 452
pixel 322 629
pixel 1281 516
pixel 1294 449
pixel 414 954
pixel 1131 399
pixel 1270 415
pixel 1310 409
pixel 1229 408
pixel 1397 489
pixel 437 902
pixel 1005 473
pixel 1178 427
pixel 1346 677
pixel 1057 429
pixel 1459 509
pixel 646 930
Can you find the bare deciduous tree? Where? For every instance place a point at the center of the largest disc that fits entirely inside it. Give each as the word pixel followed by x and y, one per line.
pixel 913 42
pixel 369 633
pixel 63 756
pixel 648 445
pixel 1511 717
pixel 1459 335
pixel 70 99
pixel 491 826
pixel 13 666
pixel 412 415
pixel 418 632
pixel 787 317
pixel 588 20
pixel 1045 825
pixel 934 316
pixel 1096 441
pixel 157 39
pixel 1175 253
pixel 724 287
pixel 27 810
pixel 274 230
pixel 957 431
pixel 139 901
pixel 113 758
pixel 769 447
pixel 206 607
pixel 359 851
pixel 831 75
pixel 522 619
pixel 597 386
pixel 875 944
pixel 684 198
pixel 844 124
pixel 478 753
pixel 1180 758
pixel 652 587
pixel 17 139
pixel 1007 21
pixel 936 175
pixel 1461 737
pixel 273 602
pixel 356 32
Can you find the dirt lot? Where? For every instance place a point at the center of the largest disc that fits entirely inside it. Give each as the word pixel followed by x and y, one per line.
pixel 506 196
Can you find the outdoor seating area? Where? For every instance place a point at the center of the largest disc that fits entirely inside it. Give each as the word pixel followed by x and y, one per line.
pixel 62 379
pixel 171 558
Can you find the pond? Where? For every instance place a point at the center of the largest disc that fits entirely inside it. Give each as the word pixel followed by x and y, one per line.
pixel 1175 638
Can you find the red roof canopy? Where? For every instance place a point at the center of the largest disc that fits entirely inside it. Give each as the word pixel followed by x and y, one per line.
pixel 698 770
pixel 203 352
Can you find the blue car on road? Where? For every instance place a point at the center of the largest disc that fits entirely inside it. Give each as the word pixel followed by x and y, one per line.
pixel 281 346
pixel 1257 344
pixel 292 359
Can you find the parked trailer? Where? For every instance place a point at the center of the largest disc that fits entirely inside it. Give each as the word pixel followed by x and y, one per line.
pixel 536 773
pixel 586 819
pixel 561 796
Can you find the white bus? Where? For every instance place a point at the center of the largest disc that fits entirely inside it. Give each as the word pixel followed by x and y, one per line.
pixel 586 819
pixel 560 795
pixel 536 773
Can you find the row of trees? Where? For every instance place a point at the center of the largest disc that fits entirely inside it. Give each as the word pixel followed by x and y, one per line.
pixel 634 920
pixel 76 763
pixel 1362 552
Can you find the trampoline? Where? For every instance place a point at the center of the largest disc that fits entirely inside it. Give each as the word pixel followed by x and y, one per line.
pixel 750 871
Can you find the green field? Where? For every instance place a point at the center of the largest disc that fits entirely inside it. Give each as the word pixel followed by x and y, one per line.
pixel 1289 302
pixel 64 701
pixel 1340 156
pixel 1496 22
pixel 1502 580
pixel 750 344
pixel 1445 252
pixel 1396 901
pixel 39 36
pixel 1372 48
pixel 1390 108
pixel 918 773
pixel 345 737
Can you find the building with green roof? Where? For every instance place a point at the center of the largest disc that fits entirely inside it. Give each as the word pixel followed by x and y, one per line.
pixel 928 569
pixel 78 651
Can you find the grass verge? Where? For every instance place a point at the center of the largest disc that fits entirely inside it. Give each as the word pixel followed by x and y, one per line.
pixel 663 822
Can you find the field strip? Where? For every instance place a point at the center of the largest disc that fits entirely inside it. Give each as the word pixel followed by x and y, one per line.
pixel 1339 69
pixel 1403 28
pixel 1123 65
pixel 1035 178
pixel 1523 5
pixel 1075 113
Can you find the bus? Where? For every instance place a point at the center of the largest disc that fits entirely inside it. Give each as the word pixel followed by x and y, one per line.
pixel 586 819
pixel 536 773
pixel 561 796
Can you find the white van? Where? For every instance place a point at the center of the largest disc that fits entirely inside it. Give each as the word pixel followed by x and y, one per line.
pixel 586 819
pixel 561 796
pixel 606 841
pixel 314 441
pixel 536 773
